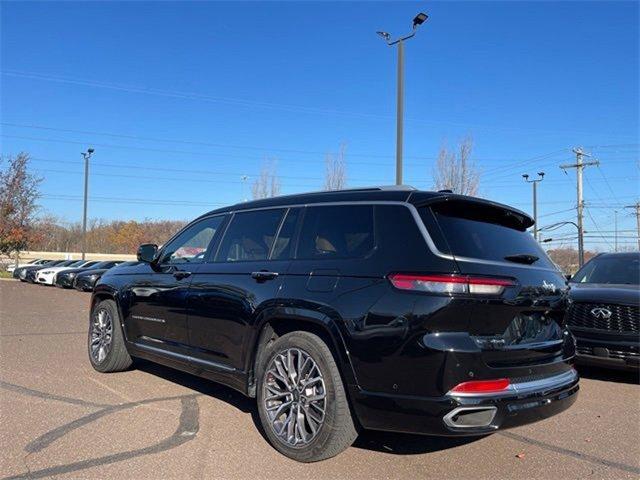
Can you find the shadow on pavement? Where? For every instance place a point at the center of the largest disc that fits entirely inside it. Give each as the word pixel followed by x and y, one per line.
pixel 407 444
pixel 386 442
pixel 608 375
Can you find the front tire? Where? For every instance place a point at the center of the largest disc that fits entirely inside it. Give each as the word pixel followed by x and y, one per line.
pixel 302 403
pixel 106 344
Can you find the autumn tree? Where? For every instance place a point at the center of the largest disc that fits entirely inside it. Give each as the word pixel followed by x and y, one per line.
pixel 456 171
pixel 268 183
pixel 336 170
pixel 19 192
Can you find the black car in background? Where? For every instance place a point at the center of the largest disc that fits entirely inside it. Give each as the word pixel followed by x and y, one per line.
pixel 604 314
pixel 384 308
pixel 66 278
pixel 85 281
pixel 27 273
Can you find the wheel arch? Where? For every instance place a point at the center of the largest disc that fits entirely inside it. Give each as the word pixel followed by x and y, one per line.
pixel 320 325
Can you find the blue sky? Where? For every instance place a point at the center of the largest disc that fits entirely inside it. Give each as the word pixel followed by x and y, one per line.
pixel 180 100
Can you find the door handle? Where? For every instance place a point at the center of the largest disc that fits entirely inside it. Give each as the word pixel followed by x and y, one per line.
pixel 180 274
pixel 262 276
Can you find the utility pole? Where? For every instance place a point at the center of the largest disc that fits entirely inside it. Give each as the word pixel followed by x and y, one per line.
pixel 535 200
pixel 87 156
pixel 637 208
pixel 579 166
pixel 615 222
pixel 417 21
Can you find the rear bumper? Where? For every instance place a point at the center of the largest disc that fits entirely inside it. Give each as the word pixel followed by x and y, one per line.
pixel 525 403
pixel 607 349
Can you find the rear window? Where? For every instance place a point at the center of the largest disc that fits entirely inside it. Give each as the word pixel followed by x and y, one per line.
pixel 465 229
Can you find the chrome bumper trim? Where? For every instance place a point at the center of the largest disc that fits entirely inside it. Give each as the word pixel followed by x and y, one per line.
pixel 523 388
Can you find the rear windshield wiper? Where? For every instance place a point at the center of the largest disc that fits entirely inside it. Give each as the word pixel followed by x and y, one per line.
pixel 522 258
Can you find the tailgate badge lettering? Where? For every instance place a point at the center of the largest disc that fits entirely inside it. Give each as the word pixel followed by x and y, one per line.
pixel 549 287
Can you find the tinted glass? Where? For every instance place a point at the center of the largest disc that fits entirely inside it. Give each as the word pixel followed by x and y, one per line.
pixel 284 243
pixel 105 264
pixel 344 231
pixel 622 270
pixel 191 245
pixel 250 236
pixel 475 231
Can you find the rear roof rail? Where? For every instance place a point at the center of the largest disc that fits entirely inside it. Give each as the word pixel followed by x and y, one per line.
pixel 387 188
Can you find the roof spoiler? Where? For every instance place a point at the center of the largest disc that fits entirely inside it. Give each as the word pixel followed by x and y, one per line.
pixel 523 219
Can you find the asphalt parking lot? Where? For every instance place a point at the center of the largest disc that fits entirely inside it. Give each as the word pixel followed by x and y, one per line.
pixel 59 418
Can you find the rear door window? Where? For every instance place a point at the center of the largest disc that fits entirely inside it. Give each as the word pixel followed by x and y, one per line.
pixel 467 229
pixel 341 231
pixel 250 236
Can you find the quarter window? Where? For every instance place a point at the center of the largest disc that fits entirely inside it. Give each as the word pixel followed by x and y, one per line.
pixel 343 231
pixel 250 236
pixel 191 245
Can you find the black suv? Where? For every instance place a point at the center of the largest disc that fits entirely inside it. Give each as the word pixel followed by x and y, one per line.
pixel 604 311
pixel 382 308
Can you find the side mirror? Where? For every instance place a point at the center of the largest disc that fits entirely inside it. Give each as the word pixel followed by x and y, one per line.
pixel 147 252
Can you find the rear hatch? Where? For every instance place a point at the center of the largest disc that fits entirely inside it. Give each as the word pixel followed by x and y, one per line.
pixel 523 325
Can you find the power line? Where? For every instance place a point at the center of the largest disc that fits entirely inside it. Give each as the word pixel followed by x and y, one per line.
pixel 259 104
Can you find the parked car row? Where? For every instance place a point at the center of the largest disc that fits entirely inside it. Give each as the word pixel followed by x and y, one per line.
pixel 79 274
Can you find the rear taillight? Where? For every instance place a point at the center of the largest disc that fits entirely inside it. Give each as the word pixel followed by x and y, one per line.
pixel 450 283
pixel 482 386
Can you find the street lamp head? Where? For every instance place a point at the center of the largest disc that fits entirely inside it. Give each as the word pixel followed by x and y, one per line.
pixel 419 19
pixel 525 176
pixel 541 174
pixel 90 150
pixel 384 35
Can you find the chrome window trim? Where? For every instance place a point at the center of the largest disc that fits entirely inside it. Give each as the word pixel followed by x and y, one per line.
pixel 414 212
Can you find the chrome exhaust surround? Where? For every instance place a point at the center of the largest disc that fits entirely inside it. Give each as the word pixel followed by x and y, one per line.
pixel 470 417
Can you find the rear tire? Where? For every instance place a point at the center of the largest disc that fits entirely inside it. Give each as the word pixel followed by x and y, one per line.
pixel 106 344
pixel 310 396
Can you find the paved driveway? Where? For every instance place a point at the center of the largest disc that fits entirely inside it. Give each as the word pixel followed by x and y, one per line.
pixel 59 418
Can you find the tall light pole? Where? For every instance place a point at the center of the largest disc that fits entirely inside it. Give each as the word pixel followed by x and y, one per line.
pixel 87 156
pixel 535 200
pixel 417 21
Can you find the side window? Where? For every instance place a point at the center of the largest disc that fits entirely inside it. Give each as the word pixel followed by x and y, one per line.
pixel 337 232
pixel 191 245
pixel 282 249
pixel 250 236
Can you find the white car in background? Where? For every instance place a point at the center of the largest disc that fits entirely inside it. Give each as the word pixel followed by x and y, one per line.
pixel 32 263
pixel 47 276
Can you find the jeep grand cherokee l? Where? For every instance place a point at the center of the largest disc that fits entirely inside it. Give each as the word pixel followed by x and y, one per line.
pixel 383 308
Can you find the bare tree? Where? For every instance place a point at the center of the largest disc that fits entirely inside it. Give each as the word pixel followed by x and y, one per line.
pixel 336 170
pixel 456 171
pixel 19 192
pixel 268 183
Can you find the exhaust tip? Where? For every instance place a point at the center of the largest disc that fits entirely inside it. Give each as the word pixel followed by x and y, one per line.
pixel 470 417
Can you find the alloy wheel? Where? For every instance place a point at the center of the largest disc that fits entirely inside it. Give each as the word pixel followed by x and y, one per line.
pixel 101 335
pixel 294 397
